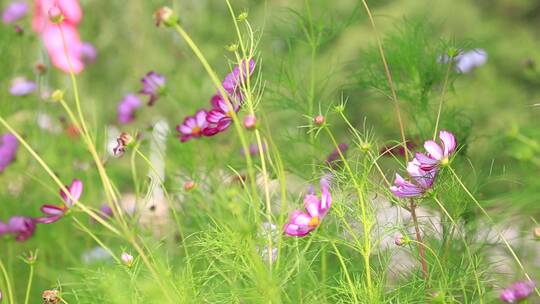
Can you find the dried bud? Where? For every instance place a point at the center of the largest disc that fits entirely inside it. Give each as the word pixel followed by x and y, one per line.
pixel 51 296
pixel 124 140
pixel 318 120
pixel 166 16
pixel 127 259
pixel 57 95
pixel 40 68
pixel 250 122
pixel 189 185
pixel 536 233
pixel 56 15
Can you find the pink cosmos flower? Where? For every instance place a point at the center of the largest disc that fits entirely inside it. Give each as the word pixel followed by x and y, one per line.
pixel 20 86
pixel 127 107
pixel 20 226
pixel 302 223
pixel 234 80
pixel 422 181
pixel 193 126
pixel 437 154
pixel 220 117
pixel 517 292
pixel 153 85
pixel 8 150
pixel 54 212
pixel 52 35
pixel 15 11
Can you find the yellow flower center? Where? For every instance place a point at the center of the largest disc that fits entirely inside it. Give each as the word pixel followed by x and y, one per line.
pixel 314 222
pixel 445 161
pixel 196 130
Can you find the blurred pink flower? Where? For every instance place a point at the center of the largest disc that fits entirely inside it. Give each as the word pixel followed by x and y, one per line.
pixel 8 149
pixel 20 226
pixel 20 86
pixel 302 223
pixel 127 107
pixel 54 212
pixel 234 80
pixel 14 11
pixel 517 292
pixel 220 117
pixel 153 85
pixel 88 52
pixel 52 33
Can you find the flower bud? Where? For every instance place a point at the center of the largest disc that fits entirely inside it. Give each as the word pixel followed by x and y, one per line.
pixel 453 52
pixel 233 47
pixel 250 122
pixel 51 296
pixel 40 68
pixel 166 16
pixel 365 146
pixel 55 15
pixel 57 95
pixel 127 259
pixel 124 140
pixel 243 16
pixel 318 120
pixel 189 185
pixel 536 233
pixel 398 239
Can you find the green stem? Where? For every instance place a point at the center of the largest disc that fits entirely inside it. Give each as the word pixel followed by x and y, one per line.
pixel 8 282
pixel 442 99
pixel 29 285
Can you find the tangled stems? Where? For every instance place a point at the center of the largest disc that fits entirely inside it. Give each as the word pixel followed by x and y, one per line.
pixel 512 252
pixel 363 209
pixel 7 280
pixel 390 81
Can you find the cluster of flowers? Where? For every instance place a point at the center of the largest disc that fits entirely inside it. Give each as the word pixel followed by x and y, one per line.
pixel 23 227
pixel 8 149
pixel 219 118
pixel 301 223
pixel 423 168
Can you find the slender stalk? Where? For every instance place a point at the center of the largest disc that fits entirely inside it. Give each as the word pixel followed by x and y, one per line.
pixel 8 282
pixel 421 248
pixel 389 79
pixel 445 84
pixel 505 241
pixel 29 285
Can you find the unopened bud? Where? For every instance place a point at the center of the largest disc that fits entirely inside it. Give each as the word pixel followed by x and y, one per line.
pixel 127 259
pixel 233 47
pixel 56 15
pixel 398 239
pixel 243 16
pixel 189 185
pixel 166 16
pixel 51 296
pixel 365 146
pixel 124 141
pixel 57 95
pixel 250 122
pixel 318 120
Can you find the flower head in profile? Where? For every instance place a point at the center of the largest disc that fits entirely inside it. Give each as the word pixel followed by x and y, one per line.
pixel 21 227
pixel 14 11
pixel 437 154
pixel 123 141
pixel 421 182
pixel 153 85
pixel 194 126
pixel 54 212
pixel 467 61
pixel 8 150
pixel 127 107
pixel 302 223
pixel 234 80
pixel 220 117
pixel 517 292
pixel 21 86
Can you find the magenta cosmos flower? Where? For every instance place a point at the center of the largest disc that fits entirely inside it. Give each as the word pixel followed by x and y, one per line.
pixel 20 226
pixel 422 181
pixel 194 126
pixel 20 86
pixel 302 223
pixel 334 157
pixel 437 154
pixel 14 11
pixel 234 80
pixel 8 150
pixel 54 212
pixel 517 292
pixel 153 85
pixel 220 117
pixel 127 107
